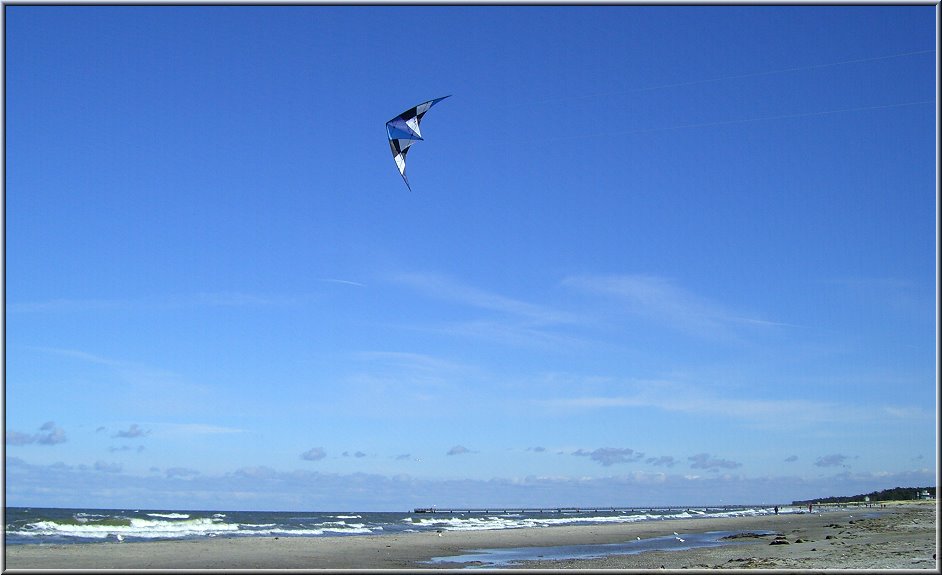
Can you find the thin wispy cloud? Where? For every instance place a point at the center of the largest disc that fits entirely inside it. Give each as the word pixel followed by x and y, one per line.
pixel 67 305
pixel 199 299
pixel 405 376
pixel 81 355
pixel 678 397
pixel 413 362
pixel 903 298
pixel 442 287
pixel 907 412
pixel 149 388
pixel 343 282
pixel 195 429
pixel 458 450
pixel 493 317
pixel 663 302
pixel 511 333
pixel 129 371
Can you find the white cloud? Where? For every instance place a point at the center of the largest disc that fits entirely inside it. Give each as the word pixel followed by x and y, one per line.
pixel 181 472
pixel 134 431
pixel 123 448
pixel 609 456
pixel 832 460
pixel 49 434
pixel 18 438
pixel 107 467
pixel 711 463
pixel 264 488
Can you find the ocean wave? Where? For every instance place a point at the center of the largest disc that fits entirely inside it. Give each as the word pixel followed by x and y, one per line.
pixel 139 528
pixel 508 521
pixel 80 526
pixel 310 532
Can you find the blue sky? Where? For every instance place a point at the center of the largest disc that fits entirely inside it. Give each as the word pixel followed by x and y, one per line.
pixel 652 255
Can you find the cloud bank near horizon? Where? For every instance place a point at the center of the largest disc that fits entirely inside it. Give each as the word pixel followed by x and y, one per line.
pixel 263 488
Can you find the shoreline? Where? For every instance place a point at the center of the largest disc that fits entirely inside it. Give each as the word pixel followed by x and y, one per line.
pixel 903 536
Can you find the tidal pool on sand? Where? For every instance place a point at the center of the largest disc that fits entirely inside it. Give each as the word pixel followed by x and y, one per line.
pixel 504 557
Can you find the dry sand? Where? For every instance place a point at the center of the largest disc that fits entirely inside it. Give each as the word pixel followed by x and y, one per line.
pixel 903 537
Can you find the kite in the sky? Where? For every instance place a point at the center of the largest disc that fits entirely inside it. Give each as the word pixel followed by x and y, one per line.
pixel 403 131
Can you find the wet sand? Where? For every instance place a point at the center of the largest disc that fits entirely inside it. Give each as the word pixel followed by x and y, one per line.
pixel 903 537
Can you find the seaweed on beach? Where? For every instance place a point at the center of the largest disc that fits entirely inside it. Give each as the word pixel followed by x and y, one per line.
pixel 747 535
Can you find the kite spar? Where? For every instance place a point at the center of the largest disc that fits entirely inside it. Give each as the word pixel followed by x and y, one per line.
pixel 403 131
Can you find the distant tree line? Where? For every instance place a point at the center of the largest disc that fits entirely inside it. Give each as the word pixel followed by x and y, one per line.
pixel 895 494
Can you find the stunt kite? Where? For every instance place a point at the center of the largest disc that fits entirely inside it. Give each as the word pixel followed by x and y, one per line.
pixel 403 131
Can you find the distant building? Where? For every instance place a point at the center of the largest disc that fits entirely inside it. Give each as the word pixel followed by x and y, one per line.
pixel 924 494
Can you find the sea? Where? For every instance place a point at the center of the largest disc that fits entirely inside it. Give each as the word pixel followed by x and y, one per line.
pixel 36 525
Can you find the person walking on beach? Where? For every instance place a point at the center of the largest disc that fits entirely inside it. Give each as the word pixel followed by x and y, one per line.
pixel 776 509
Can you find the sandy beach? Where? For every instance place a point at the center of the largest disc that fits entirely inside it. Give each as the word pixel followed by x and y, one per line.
pixel 903 536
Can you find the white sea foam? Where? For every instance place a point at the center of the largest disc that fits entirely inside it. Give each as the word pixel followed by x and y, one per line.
pixel 141 528
pixel 487 522
pixel 88 525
